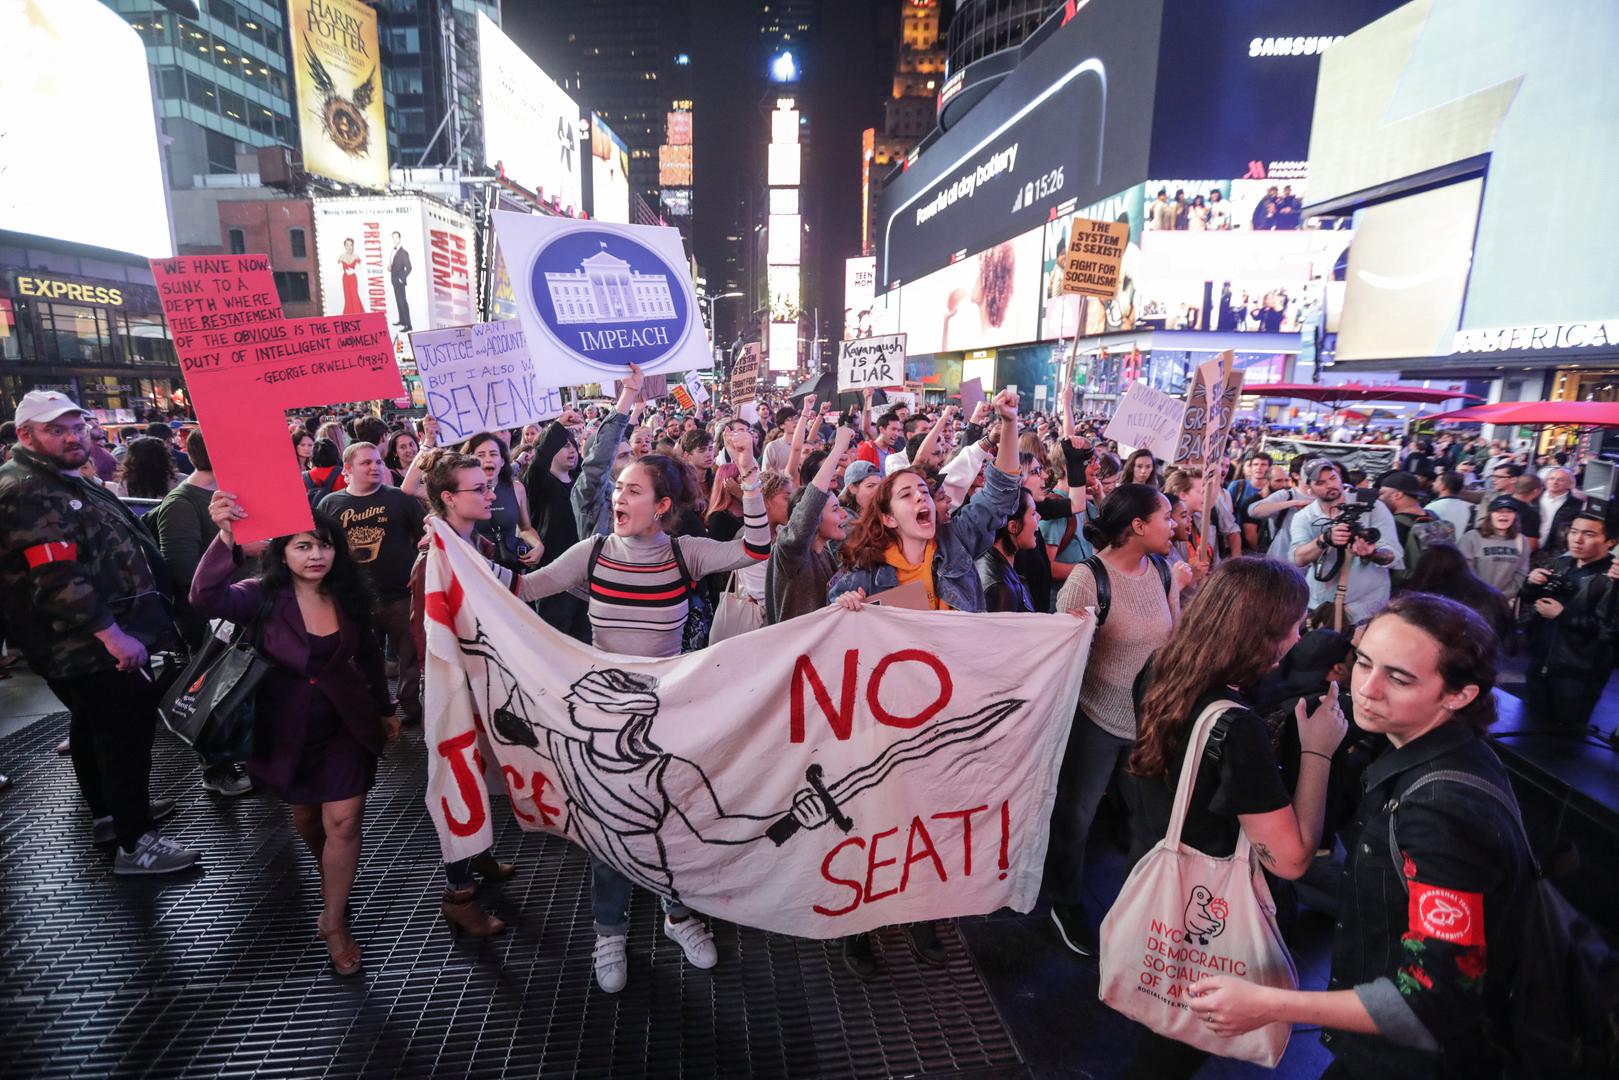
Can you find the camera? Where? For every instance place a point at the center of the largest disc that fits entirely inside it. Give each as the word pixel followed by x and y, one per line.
pixel 1559 586
pixel 1354 513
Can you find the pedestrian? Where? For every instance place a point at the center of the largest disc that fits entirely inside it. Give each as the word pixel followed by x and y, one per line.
pixel 1571 628
pixel 508 527
pixel 802 559
pixel 82 599
pixel 403 446
pixel 148 471
pixel 1004 589
pixel 1137 600
pixel 1497 551
pixel 322 714
pixel 1244 620
pixel 1324 547
pixel 382 526
pixel 1435 879
pixel 548 485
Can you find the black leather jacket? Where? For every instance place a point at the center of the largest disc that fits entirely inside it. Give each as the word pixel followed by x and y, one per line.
pixel 1579 642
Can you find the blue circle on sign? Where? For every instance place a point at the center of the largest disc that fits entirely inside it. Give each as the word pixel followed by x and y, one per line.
pixel 608 299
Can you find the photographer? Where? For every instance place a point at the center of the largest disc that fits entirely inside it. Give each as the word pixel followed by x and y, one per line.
pixel 1570 657
pixel 1331 530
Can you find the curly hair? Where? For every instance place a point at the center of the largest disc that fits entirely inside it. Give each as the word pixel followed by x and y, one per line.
pixel 148 471
pixel 869 538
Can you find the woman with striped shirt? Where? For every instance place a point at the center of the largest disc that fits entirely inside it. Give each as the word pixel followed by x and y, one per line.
pixel 640 581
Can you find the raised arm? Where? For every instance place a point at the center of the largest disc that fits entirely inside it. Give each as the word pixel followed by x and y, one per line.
pixel 935 433
pixel 594 487
pixel 413 482
pixel 704 556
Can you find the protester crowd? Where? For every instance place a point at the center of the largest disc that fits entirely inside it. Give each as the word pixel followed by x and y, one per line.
pixel 1327 638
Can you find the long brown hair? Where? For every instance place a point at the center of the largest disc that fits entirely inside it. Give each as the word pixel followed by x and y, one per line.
pixel 1226 636
pixel 869 538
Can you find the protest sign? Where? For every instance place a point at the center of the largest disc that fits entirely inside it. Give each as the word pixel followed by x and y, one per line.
pixel 683 397
pixel 745 375
pixel 595 297
pixel 1194 422
pixel 876 362
pixel 901 398
pixel 1147 419
pixel 245 365
pixel 1367 458
pixel 880 789
pixel 1223 386
pixel 694 387
pixel 972 395
pixel 1095 253
pixel 481 378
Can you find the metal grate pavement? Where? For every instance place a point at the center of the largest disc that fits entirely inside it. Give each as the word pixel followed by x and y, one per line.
pixel 219 973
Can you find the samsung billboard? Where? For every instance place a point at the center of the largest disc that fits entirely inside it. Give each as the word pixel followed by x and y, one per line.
pixel 1071 122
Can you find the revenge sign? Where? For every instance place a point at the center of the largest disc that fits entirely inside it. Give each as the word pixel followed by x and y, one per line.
pixel 1095 253
pixel 873 362
pixel 481 378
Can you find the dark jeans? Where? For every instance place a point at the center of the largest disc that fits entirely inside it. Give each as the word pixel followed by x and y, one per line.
pixel 568 613
pixel 393 621
pixel 610 900
pixel 1159 1057
pixel 1091 761
pixel 114 723
pixel 1564 700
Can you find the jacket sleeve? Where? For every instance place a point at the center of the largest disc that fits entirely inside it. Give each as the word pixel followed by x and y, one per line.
pixel 179 536
pixel 418 607
pixel 1454 854
pixel 959 472
pixel 974 525
pixel 594 488
pixel 795 539
pixel 46 540
pixel 212 593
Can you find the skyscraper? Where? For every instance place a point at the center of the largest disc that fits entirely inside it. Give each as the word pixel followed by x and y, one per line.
pixel 911 108
pixel 223 79
pixel 430 90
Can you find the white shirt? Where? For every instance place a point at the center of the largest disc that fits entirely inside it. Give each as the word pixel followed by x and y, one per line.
pixel 1459 512
pixel 896 461
pixel 1549 505
pixel 1368 583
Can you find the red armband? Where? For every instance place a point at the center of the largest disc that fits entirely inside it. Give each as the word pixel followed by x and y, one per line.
pixel 56 551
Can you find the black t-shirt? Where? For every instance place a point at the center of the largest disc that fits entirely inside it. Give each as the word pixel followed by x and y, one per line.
pixel 557 528
pixel 1246 780
pixel 383 529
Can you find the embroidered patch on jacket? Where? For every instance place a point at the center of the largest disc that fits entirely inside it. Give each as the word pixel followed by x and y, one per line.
pixel 1447 914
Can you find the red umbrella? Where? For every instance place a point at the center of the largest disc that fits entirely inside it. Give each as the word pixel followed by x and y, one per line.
pixel 1539 413
pixel 1357 392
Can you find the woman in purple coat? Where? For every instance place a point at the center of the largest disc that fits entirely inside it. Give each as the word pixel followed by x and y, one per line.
pixel 323 713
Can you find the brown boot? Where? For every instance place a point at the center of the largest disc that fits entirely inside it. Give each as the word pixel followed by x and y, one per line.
pixel 490 868
pixel 462 912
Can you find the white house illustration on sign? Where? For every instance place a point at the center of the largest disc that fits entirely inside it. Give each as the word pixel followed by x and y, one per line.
pixel 605 290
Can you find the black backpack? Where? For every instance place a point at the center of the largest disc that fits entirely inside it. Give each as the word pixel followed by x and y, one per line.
pixel 1564 1012
pixel 699 616
pixel 1104 588
pixel 316 492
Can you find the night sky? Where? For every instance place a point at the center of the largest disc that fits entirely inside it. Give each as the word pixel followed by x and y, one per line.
pixel 847 76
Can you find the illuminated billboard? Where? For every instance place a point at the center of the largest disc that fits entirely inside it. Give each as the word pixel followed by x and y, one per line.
pixel 859 289
pixel 784 200
pixel 988 299
pixel 783 284
pixel 677 128
pixel 530 126
pixel 783 346
pixel 783 165
pixel 337 78
pixel 66 61
pixel 784 126
pixel 676 202
pixel 674 166
pixel 609 174
pixel 783 246
pixel 404 255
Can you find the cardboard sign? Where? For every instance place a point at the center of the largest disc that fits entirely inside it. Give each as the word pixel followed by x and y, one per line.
pixel 745 375
pixel 1224 387
pixel 595 297
pixel 898 398
pixel 972 395
pixel 1194 422
pixel 683 397
pixel 481 378
pixel 694 387
pixel 1095 253
pixel 874 362
pixel 245 365
pixel 1147 419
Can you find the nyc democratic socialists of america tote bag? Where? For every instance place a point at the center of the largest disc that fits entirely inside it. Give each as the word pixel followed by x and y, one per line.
pixel 1183 915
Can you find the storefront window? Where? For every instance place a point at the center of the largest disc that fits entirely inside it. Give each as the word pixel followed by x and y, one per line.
pixel 73 334
pixel 146 342
pixel 10 343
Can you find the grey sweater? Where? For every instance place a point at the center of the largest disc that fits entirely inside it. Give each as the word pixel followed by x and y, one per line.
pixel 1501 562
pixel 796 578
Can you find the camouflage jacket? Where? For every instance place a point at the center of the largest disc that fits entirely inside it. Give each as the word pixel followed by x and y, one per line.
pixel 74 561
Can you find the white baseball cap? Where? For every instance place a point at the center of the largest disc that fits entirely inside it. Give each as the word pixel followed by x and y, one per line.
pixel 41 406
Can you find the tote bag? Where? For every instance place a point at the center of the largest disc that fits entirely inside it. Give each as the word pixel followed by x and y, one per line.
pixel 736 613
pixel 1183 915
pixel 210 707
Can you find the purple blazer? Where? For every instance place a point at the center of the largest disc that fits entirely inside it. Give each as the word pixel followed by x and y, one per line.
pixel 353 680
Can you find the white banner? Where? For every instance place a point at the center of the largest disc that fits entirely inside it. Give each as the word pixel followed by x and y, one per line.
pixel 813 778
pixel 481 378
pixel 595 296
pixel 1147 419
pixel 871 362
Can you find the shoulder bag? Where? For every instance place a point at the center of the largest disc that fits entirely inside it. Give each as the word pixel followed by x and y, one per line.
pixel 1183 915
pixel 210 707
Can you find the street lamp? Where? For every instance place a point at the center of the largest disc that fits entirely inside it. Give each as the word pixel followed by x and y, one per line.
pixel 709 300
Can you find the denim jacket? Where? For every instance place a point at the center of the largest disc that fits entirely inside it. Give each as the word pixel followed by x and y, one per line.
pixel 969 534
pixel 1426 942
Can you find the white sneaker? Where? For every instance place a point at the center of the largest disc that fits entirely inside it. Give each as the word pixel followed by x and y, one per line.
pixel 612 966
pixel 694 938
pixel 154 854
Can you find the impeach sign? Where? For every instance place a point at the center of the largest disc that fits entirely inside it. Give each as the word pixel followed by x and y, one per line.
pixel 481 378
pixel 1095 253
pixel 873 362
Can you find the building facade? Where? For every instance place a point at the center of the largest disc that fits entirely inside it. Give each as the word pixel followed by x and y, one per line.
pixel 430 88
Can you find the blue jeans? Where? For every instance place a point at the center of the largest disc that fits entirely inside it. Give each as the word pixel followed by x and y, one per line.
pixel 1092 759
pixel 610 900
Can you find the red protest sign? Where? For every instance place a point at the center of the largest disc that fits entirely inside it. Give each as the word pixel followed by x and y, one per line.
pixel 245 365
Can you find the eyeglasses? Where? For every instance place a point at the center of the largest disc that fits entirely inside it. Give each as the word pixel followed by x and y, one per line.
pixel 481 489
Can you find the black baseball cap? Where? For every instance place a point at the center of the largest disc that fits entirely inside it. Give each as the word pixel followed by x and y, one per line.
pixel 1404 482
